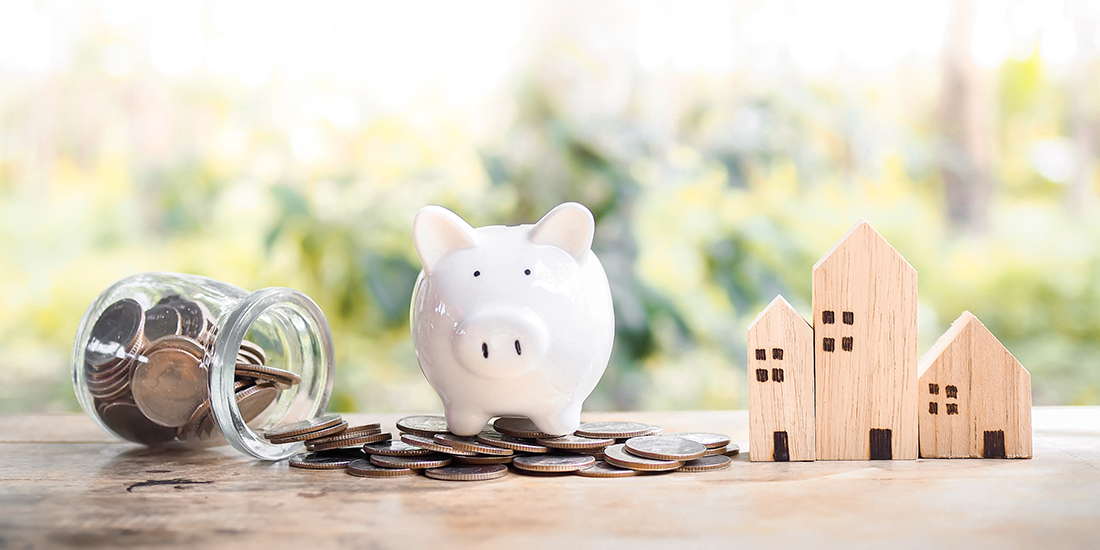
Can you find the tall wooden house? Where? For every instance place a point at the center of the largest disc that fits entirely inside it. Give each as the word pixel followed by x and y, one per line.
pixel 975 396
pixel 781 385
pixel 865 350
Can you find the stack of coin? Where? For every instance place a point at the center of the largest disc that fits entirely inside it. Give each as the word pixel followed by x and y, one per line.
pixel 147 372
pixel 329 440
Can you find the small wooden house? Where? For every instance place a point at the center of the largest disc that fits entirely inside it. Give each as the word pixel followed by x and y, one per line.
pixel 865 350
pixel 781 385
pixel 975 396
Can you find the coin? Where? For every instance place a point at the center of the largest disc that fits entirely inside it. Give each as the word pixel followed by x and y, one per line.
pixel 340 441
pixel 324 432
pixel 394 448
pixel 468 473
pixel 706 464
pixel 482 459
pixel 519 427
pixel 665 447
pixel 114 332
pixel 254 400
pixel 169 387
pixel 190 430
pixel 708 440
pixel 715 451
pixel 423 425
pixel 254 349
pixel 601 468
pixel 614 429
pixel 364 429
pixel 192 319
pixel 283 379
pixel 471 445
pixel 326 460
pixel 364 468
pixel 349 433
pixel 304 426
pixel 161 321
pixel 497 439
pixel 432 445
pixel 574 442
pixel 181 343
pixel 732 450
pixel 616 455
pixel 434 460
pixel 247 358
pixel 552 463
pixel 127 421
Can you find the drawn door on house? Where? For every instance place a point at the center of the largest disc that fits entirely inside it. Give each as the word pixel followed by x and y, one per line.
pixel 782 453
pixel 881 444
pixel 994 444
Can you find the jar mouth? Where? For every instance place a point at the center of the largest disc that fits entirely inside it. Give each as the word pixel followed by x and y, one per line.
pixel 292 313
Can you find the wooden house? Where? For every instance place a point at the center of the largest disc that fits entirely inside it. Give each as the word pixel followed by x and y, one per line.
pixel 781 385
pixel 865 350
pixel 975 396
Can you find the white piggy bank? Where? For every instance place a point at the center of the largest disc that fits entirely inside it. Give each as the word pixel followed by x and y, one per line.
pixel 511 320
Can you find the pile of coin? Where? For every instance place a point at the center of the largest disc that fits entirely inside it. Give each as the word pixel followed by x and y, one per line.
pixel 597 449
pixel 147 372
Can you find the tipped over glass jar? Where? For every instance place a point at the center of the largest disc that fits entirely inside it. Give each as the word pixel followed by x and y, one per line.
pixel 171 360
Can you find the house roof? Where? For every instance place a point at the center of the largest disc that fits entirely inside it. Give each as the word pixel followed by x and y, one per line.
pixel 964 321
pixel 778 305
pixel 861 231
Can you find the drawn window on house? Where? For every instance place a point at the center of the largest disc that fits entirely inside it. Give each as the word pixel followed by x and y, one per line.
pixel 849 318
pixel 761 375
pixel 777 353
pixel 828 317
pixel 828 344
pixel 761 354
pixel 934 389
pixel 777 375
pixel 846 343
pixel 933 407
pixel 952 408
pixel 952 392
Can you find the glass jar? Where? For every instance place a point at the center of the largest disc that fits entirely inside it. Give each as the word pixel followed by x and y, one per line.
pixel 165 359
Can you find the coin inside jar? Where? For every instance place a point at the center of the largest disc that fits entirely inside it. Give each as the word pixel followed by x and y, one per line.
pixel 114 332
pixel 254 400
pixel 161 321
pixel 169 387
pixel 192 319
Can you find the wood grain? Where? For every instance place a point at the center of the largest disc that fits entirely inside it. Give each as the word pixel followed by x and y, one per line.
pixel 786 404
pixel 867 382
pixel 990 390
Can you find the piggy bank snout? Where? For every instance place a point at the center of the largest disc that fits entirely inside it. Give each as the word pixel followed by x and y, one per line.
pixel 501 343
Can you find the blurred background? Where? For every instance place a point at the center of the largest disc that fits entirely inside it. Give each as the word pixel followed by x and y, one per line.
pixel 723 147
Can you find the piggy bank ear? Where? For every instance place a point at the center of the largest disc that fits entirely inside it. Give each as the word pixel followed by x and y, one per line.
pixel 569 226
pixel 438 232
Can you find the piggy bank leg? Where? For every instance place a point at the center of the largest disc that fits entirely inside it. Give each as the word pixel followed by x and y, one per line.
pixel 465 422
pixel 560 421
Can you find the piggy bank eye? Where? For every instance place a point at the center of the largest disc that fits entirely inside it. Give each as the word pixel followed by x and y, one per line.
pixel 526 271
pixel 477 274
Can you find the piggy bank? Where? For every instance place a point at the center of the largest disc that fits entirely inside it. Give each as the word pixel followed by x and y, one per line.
pixel 511 320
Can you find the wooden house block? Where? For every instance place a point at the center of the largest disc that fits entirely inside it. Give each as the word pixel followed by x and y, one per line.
pixel 781 385
pixel 975 396
pixel 865 350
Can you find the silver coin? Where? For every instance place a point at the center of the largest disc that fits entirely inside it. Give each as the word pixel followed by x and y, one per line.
pixel 340 441
pixel 665 447
pixel 601 468
pixel 481 459
pixel 732 450
pixel 169 387
pixel 317 434
pixel 432 445
pixel 471 445
pixel 614 429
pixel 161 321
pixel 616 455
pixel 553 463
pixel 715 451
pixel 519 427
pixel 304 426
pixel 468 473
pixel 364 468
pixel 708 440
pixel 498 439
pixel 114 332
pixel 575 442
pixel 394 448
pixel 434 460
pixel 326 460
pixel 423 425
pixel 706 464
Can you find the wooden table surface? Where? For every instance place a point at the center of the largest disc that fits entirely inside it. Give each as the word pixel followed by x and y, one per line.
pixel 64 483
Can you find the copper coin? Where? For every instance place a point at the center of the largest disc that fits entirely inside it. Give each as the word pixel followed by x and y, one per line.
pixel 317 434
pixel 254 400
pixel 732 450
pixel 191 428
pixel 339 441
pixel 304 426
pixel 616 455
pixel 468 473
pixel 708 440
pixel 614 429
pixel 181 343
pixel 364 468
pixel 283 379
pixel 497 439
pixel 192 318
pixel 552 463
pixel 169 387
pixel 706 464
pixel 665 447
pixel 601 468
pixel 434 460
pixel 357 431
pixel 365 429
pixel 519 427
pixel 326 460
pixel 471 445
pixel 432 445
pixel 126 420
pixel 482 459
pixel 255 350
pixel 246 358
pixel 114 332
pixel 574 442
pixel 423 425
pixel 394 448
pixel 161 321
